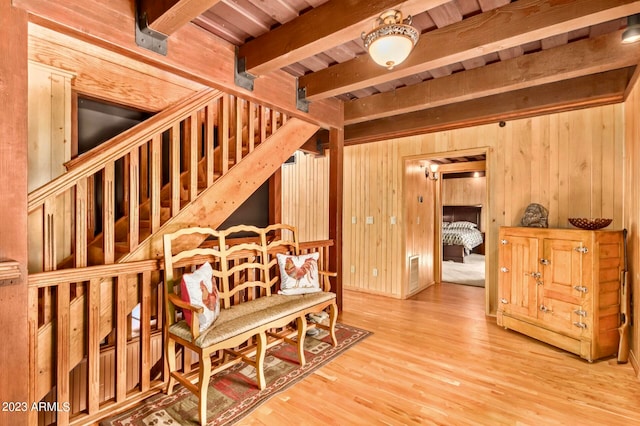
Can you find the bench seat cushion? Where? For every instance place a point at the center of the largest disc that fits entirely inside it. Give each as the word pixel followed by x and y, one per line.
pixel 250 315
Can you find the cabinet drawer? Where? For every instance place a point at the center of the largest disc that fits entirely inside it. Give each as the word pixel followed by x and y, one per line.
pixel 567 343
pixel 566 318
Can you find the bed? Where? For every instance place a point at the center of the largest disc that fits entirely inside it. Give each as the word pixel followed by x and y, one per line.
pixel 461 232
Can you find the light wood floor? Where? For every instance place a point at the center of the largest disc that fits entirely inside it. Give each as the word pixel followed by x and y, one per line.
pixel 436 360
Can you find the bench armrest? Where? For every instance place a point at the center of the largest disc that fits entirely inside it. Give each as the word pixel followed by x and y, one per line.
pixel 195 324
pixel 176 300
pixel 326 284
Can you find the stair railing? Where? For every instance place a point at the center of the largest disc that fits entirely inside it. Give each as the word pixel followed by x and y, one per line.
pixel 116 195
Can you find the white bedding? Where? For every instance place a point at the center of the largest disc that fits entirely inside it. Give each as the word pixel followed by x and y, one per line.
pixel 469 238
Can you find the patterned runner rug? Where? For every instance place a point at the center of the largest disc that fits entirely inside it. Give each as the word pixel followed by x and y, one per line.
pixel 233 393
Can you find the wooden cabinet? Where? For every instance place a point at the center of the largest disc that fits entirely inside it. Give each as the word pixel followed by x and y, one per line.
pixel 562 286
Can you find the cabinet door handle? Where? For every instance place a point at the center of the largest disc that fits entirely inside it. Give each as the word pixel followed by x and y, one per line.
pixel 535 275
pixel 504 242
pixel 545 309
pixel 581 288
pixel 503 269
pixel 505 301
pixel 545 262
pixel 580 324
pixel 580 312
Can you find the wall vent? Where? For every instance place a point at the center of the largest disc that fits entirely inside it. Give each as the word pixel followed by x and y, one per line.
pixel 414 272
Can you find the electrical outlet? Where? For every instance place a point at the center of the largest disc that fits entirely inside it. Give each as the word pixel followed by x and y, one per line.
pixel 354 220
pixel 353 269
pixel 375 272
pixel 393 220
pixel 369 220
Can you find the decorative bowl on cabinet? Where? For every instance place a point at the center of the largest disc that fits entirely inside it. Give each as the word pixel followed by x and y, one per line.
pixel 590 223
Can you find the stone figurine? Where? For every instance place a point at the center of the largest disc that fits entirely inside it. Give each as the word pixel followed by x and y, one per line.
pixel 535 216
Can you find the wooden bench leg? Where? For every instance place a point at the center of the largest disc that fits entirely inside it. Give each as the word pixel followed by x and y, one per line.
pixel 261 350
pixel 333 318
pixel 187 361
pixel 205 373
pixel 170 352
pixel 302 333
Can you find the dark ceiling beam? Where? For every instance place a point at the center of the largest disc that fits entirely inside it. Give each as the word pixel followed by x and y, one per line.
pixel 168 16
pixel 584 57
pixel 512 25
pixel 582 92
pixel 330 24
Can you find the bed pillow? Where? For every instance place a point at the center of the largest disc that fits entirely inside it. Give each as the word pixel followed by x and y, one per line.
pixel 445 225
pixel 298 274
pixel 463 224
pixel 199 289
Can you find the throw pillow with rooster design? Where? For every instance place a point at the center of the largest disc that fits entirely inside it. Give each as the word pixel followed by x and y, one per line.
pixel 199 289
pixel 298 274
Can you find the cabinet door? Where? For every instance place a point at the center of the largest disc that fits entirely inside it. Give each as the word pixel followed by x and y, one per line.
pixel 564 295
pixel 518 275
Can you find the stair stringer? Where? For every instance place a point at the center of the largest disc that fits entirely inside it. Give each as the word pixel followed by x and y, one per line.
pixel 215 204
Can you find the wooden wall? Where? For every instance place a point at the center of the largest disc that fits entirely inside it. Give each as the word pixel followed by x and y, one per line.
pixel 419 220
pixel 49 123
pixel 372 181
pixel 570 162
pixel 632 210
pixel 49 148
pixel 305 195
pixel 465 192
pixel 14 330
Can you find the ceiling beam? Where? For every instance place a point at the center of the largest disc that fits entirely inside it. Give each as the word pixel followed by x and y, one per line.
pixel 581 92
pixel 168 16
pixel 330 24
pixel 584 57
pixel 512 25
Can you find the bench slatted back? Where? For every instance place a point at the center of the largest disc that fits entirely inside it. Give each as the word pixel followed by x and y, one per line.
pixel 282 239
pixel 242 271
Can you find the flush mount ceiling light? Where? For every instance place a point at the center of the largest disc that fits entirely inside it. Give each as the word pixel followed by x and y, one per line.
pixel 632 33
pixel 391 41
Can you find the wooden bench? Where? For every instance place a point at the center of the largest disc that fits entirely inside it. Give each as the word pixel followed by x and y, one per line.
pixel 253 316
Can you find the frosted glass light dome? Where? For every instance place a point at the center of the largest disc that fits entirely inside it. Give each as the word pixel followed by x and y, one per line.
pixel 391 50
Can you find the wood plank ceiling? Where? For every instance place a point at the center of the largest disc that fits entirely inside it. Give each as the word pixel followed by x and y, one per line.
pixel 477 61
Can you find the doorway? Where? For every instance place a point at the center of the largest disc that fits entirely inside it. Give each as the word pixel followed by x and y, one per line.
pixel 463 195
pixel 460 180
pixel 463 236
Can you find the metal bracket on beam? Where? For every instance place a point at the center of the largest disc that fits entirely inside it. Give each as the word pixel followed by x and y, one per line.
pixel 301 98
pixel 147 38
pixel 240 76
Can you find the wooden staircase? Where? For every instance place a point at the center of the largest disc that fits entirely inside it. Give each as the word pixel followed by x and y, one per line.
pixel 193 164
